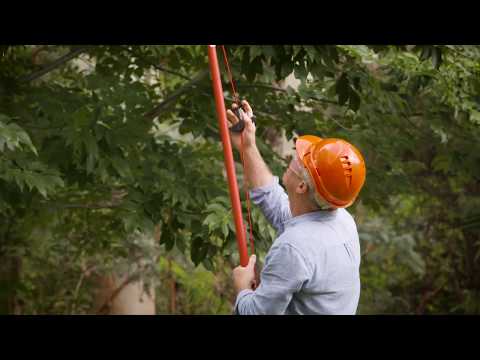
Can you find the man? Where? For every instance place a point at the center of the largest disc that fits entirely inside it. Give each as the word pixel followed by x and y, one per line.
pixel 313 265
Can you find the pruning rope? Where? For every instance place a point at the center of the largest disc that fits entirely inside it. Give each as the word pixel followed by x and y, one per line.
pixel 236 99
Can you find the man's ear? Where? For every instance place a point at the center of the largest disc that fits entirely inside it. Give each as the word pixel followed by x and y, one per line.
pixel 302 187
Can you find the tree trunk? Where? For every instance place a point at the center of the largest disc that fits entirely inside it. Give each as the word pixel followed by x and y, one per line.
pixel 124 294
pixel 118 295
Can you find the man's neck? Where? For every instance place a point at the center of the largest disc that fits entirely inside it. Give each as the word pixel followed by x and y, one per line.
pixel 300 209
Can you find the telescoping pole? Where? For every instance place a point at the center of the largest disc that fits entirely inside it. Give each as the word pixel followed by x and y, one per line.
pixel 227 154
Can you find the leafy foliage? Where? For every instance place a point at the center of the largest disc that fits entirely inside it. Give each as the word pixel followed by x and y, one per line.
pixel 85 169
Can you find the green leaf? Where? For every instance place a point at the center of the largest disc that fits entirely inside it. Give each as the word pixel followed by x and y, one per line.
pixel 356 84
pixel 342 89
pixel 311 53
pixel 122 167
pixel 208 264
pixel 225 229
pixel 13 135
pixel 170 241
pixel 25 139
pixel 255 51
pixel 268 51
pixel 216 207
pixel 211 221
pixel 442 163
pixel 354 100
pixel 198 250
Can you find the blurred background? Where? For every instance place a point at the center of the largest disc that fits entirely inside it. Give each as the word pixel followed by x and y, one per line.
pixel 113 195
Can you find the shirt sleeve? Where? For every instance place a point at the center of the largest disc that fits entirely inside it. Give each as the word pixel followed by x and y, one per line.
pixel 285 273
pixel 273 202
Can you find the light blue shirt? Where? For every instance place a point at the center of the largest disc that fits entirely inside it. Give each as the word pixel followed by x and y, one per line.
pixel 312 266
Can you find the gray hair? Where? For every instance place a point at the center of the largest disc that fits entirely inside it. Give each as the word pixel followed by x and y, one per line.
pixel 314 197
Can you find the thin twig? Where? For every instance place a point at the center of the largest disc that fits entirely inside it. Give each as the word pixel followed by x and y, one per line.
pixel 426 297
pixel 156 66
pixel 370 248
pixel 343 127
pixel 84 274
pixel 86 206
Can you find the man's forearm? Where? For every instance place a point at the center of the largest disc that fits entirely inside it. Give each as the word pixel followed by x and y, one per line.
pixel 258 173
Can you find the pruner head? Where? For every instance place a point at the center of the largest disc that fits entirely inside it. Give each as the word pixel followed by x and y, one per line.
pixel 238 127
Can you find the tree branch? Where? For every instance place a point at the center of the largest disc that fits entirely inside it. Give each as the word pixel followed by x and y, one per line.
pixel 279 89
pixel 54 65
pixel 176 94
pixel 197 79
pixel 324 100
pixel 262 86
pixel 117 196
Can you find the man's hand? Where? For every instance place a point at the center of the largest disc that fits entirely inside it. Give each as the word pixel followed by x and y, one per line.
pixel 248 132
pixel 244 277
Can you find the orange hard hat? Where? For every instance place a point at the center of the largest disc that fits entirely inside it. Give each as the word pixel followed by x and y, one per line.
pixel 336 168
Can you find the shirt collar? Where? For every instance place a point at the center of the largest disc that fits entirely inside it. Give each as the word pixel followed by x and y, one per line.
pixel 321 215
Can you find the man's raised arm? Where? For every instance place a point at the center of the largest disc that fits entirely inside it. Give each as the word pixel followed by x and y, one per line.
pixel 265 189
